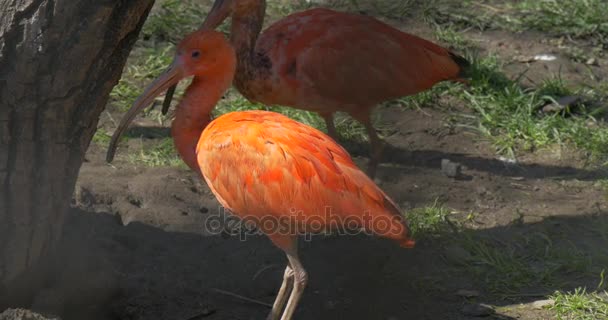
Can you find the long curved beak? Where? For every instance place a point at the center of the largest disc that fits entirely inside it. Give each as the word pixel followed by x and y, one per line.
pixel 171 77
pixel 219 12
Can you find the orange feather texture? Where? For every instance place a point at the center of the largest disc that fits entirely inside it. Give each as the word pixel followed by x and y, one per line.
pixel 326 61
pixel 270 169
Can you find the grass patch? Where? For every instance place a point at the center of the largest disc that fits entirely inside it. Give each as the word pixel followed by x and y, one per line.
pixel 580 305
pixel 139 73
pixel 101 137
pixel 571 18
pixel 511 116
pixel 531 262
pixel 576 18
pixel 172 19
pixel 500 268
pixel 453 38
pixel 160 154
pixel 429 221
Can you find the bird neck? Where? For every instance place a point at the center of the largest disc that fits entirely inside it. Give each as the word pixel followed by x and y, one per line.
pixel 193 114
pixel 245 29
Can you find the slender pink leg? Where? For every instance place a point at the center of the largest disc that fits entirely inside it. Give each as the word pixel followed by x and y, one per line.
pixel 281 298
pixel 300 280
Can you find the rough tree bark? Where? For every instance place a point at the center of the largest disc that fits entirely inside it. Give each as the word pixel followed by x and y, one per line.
pixel 59 59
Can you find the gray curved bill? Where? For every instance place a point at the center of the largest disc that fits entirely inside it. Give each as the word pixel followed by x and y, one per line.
pixel 169 78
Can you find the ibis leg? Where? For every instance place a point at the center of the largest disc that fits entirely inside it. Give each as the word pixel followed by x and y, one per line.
pixel 376 144
pixel 329 123
pixel 281 298
pixel 300 280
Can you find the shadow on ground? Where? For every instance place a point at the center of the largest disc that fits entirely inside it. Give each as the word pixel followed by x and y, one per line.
pixel 401 157
pixel 110 271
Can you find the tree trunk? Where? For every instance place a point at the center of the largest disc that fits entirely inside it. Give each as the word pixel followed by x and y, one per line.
pixel 59 59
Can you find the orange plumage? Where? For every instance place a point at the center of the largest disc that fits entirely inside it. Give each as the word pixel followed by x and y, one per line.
pixel 326 61
pixel 284 168
pixel 264 166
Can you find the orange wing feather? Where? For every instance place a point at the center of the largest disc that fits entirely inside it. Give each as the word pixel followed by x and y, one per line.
pixel 261 164
pixel 342 61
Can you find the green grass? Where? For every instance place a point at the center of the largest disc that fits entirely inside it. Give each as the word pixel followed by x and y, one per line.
pixel 507 266
pixel 102 137
pixel 500 268
pixel 510 114
pixel 140 72
pixel 580 305
pixel 160 153
pixel 576 18
pixel 173 19
pixel 527 262
pixel 429 221
pixel 571 18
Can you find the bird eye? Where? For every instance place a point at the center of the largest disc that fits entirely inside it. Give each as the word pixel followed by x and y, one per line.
pixel 196 54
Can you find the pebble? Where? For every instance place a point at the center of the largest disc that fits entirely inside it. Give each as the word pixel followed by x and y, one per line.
pixel 540 304
pixel 450 169
pixel 562 103
pixel 591 62
pixel 545 57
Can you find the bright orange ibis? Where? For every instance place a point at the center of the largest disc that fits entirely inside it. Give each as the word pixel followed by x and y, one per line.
pixel 326 61
pixel 263 166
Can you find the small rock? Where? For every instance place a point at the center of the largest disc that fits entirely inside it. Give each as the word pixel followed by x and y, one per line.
pixel 552 108
pixel 562 103
pixel 591 62
pixel 507 160
pixel 467 293
pixel 544 57
pixel 540 304
pixel 569 100
pixel 450 169
pixel 478 310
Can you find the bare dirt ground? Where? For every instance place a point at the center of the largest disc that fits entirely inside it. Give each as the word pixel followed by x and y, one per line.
pixel 135 245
